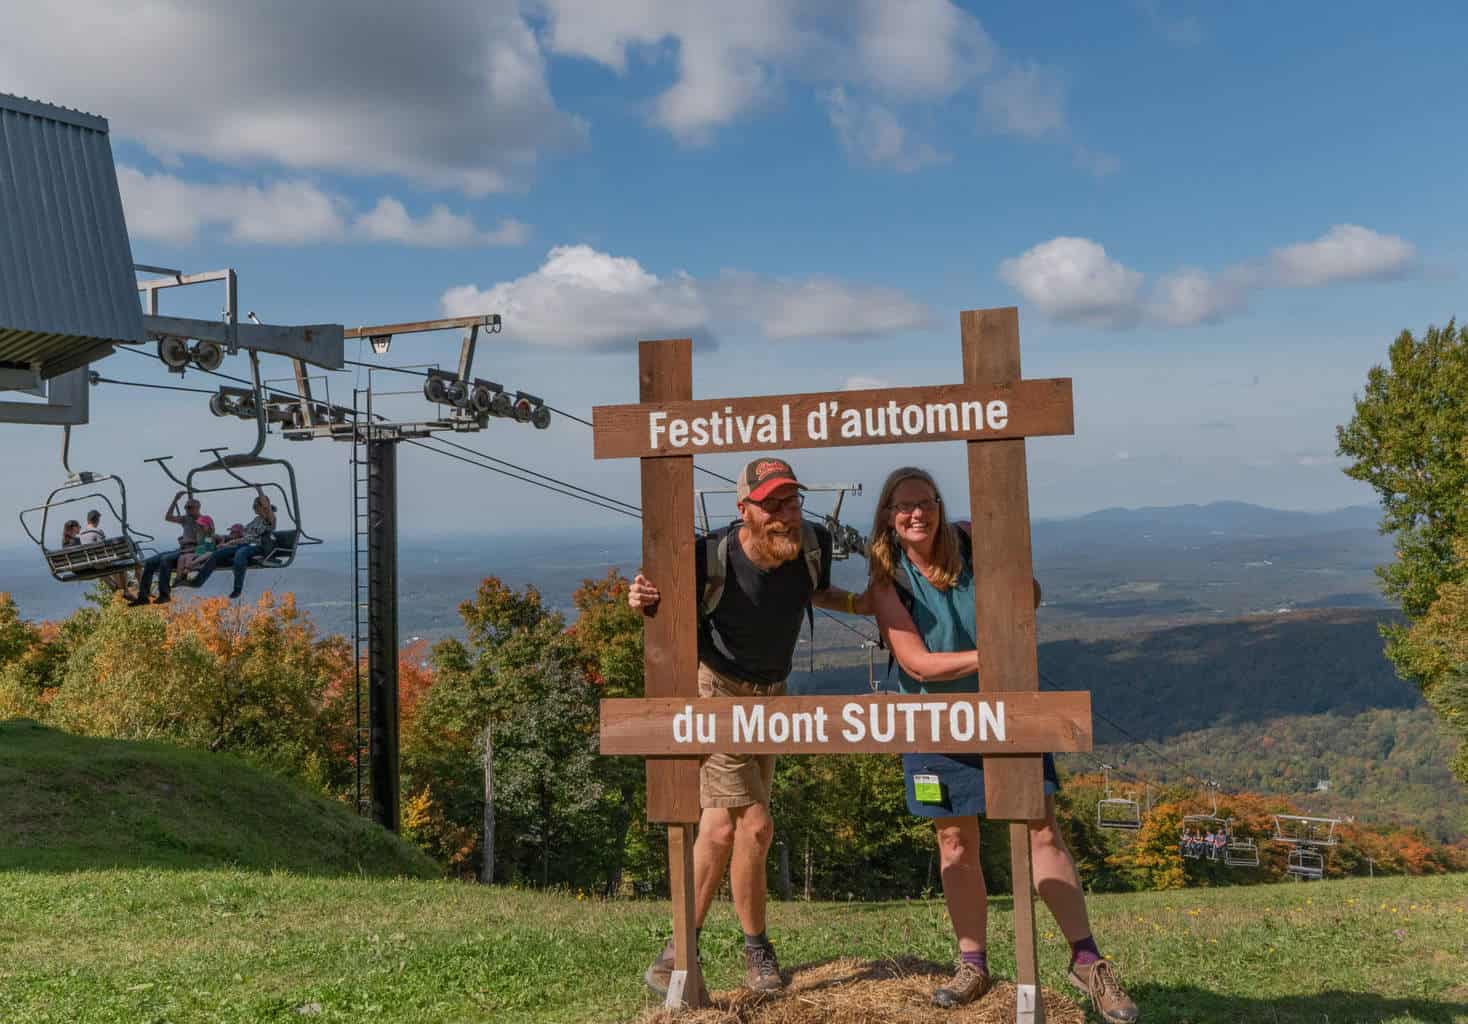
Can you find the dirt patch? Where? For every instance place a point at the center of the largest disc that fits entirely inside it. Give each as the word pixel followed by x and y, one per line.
pixel 848 991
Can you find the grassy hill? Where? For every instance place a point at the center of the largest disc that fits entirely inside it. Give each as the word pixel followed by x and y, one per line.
pixel 228 946
pixel 72 802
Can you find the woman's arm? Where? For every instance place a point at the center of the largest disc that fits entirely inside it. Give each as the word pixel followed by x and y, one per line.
pixel 907 645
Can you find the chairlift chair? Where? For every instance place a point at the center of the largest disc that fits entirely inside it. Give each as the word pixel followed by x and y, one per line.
pixel 1306 864
pixel 1117 812
pixel 1300 830
pixel 84 562
pixel 1241 851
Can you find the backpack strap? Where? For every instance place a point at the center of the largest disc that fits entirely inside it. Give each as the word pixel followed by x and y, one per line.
pixel 716 562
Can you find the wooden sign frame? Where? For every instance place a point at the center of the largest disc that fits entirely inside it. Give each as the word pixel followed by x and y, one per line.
pixel 1003 570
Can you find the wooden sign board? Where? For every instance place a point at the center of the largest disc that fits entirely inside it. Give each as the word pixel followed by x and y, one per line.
pixel 992 412
pixel 959 723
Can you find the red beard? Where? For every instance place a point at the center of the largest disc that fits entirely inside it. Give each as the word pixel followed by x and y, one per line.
pixel 770 545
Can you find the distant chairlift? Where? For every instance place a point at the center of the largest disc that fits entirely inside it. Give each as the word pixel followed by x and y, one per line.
pixel 1117 812
pixel 1196 827
pixel 1241 851
pixel 1306 864
pixel 1300 830
pixel 83 562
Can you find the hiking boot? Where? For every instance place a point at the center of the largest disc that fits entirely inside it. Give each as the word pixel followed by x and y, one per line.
pixel 660 974
pixel 762 969
pixel 969 983
pixel 140 599
pixel 1098 980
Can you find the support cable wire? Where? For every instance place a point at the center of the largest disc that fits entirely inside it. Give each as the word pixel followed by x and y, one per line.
pixel 157 387
pixel 490 458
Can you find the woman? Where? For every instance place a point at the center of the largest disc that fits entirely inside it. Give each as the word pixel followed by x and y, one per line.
pixel 71 534
pixel 920 562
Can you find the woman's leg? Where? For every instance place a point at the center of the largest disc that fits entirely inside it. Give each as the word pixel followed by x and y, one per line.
pixel 963 881
pixel 1056 879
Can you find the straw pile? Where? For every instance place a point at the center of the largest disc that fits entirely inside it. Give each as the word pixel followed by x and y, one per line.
pixel 848 991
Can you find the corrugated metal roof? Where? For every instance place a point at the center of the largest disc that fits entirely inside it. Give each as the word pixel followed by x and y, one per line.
pixel 67 286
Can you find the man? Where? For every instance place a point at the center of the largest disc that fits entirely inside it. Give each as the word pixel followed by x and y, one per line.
pixel 746 643
pixel 164 564
pixel 93 532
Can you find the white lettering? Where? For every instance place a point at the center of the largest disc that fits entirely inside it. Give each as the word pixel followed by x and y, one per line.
pixel 769 430
pixel 785 419
pixel 729 424
pixel 712 721
pixel 892 418
pixel 878 733
pixel 700 432
pixel 655 427
pixel 678 433
pixel 816 426
pixel 821 726
pixel 942 418
pixel 934 708
pixel 803 727
pixel 977 411
pixel 910 710
pixel 997 414
pixel 683 725
pixel 749 723
pixel 991 716
pixel 876 423
pixel 912 419
pixel 746 428
pixel 855 729
pixel 779 727
pixel 850 423
pixel 963 731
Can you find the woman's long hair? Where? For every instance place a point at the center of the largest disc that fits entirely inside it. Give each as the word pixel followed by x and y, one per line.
pixel 947 561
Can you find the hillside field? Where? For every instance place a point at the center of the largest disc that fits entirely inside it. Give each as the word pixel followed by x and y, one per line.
pixel 225 946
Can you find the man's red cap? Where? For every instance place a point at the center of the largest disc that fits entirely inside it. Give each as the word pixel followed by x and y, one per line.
pixel 762 476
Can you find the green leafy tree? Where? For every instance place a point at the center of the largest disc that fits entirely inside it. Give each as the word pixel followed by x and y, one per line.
pixel 1409 441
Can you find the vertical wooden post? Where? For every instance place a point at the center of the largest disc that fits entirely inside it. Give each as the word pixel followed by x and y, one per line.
pixel 670 645
pixel 1005 621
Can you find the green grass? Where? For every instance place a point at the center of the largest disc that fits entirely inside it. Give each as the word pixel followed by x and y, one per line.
pixel 152 945
pixel 76 802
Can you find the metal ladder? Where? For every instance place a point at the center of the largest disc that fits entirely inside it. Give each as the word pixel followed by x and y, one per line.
pixel 361 626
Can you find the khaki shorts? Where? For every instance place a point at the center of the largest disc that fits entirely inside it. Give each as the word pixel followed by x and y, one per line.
pixel 734 780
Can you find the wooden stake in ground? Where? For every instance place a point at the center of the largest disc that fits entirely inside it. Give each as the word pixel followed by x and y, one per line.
pixel 993 411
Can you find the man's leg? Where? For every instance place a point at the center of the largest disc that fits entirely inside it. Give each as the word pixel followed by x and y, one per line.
pixel 241 563
pixel 145 578
pixel 710 858
pixel 202 571
pixel 166 565
pixel 753 831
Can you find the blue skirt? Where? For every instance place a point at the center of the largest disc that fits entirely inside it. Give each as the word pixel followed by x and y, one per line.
pixel 961 778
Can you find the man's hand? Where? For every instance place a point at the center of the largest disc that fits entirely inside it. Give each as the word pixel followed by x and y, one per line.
pixel 642 594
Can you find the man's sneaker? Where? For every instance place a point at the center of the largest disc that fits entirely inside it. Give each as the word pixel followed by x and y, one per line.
pixel 969 983
pixel 1098 980
pixel 762 969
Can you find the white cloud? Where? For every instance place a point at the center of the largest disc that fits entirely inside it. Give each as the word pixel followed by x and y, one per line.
pixel 389 221
pixel 1179 30
pixel 872 134
pixel 1073 280
pixel 1346 252
pixel 731 58
pixel 584 298
pixel 1189 296
pixel 815 307
pixel 1026 101
pixel 864 383
pixel 445 93
pixel 1095 162
pixel 165 208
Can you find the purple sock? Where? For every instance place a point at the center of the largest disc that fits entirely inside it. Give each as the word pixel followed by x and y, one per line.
pixel 1084 951
pixel 977 959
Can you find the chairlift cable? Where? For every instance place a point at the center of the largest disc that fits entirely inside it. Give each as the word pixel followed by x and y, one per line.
pixel 523 469
pixel 528 480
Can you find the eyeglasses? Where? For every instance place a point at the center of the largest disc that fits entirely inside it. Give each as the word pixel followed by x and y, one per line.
pixel 907 508
pixel 774 506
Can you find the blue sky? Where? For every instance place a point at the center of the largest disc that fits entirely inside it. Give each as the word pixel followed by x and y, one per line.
pixel 1213 218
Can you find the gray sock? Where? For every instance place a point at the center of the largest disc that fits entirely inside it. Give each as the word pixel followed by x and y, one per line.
pixel 756 941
